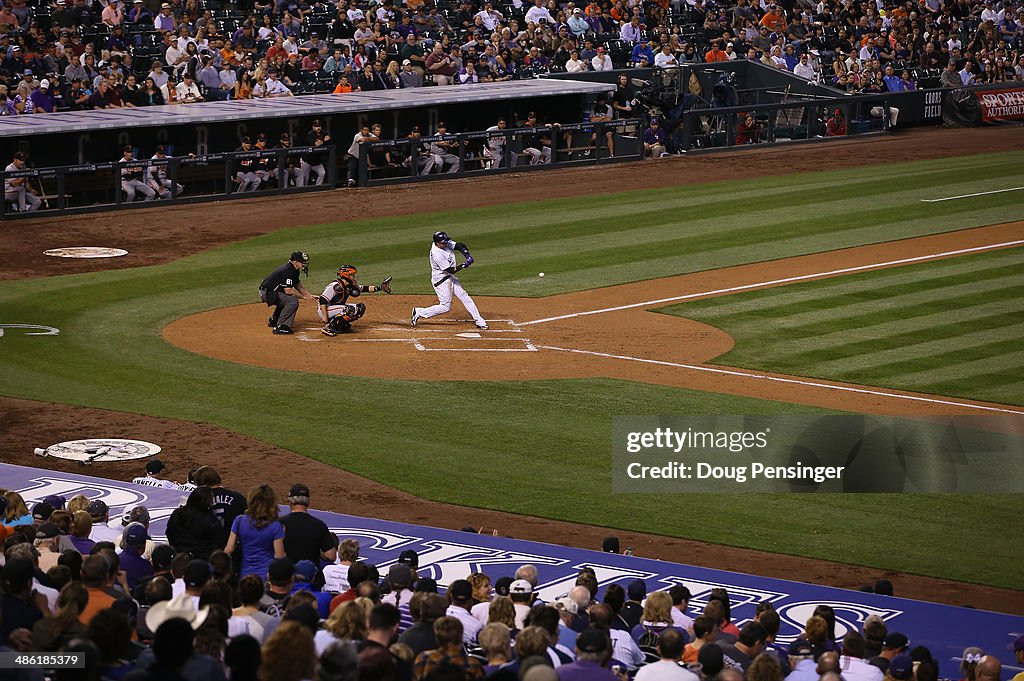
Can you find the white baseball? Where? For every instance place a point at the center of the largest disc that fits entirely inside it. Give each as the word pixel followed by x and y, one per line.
pixel 540 274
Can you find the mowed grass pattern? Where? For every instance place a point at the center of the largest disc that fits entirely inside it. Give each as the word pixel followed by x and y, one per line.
pixel 543 447
pixel 950 327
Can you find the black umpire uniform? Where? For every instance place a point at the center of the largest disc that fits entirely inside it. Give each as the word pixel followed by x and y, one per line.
pixel 282 290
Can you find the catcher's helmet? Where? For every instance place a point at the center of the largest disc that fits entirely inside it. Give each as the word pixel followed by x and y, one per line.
pixel 441 237
pixel 299 256
pixel 347 273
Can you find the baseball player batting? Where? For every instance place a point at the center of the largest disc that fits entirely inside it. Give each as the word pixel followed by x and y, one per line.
pixel 335 309
pixel 442 275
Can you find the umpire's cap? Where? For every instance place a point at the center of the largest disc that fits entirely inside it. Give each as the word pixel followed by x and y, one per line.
pixel 441 237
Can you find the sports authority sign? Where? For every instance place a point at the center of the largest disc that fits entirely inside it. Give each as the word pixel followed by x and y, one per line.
pixel 447 555
pixel 1001 105
pixel 100 450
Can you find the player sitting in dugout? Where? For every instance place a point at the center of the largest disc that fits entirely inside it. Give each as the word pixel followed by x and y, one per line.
pixel 335 309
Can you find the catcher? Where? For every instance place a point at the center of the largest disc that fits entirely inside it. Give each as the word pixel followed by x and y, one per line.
pixel 335 309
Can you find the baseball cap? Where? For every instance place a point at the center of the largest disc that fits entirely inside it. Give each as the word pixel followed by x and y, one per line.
pixel 567 604
pixel 42 510
pixel 281 570
pixel 461 590
pixel 155 466
pixel 520 586
pixel 305 570
pixel 298 489
pixel 135 514
pixel 56 501
pixel 896 640
pixel 592 641
pixel 399 575
pixel 800 648
pixel 97 509
pixel 197 573
pixel 637 590
pixel 901 667
pixel 47 531
pixel 426 585
pixel 162 557
pixel 135 535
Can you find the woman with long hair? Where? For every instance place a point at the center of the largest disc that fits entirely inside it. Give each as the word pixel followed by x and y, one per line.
pixel 193 528
pixel 258 533
pixel 16 512
pixel 289 655
pixel 57 630
pixel 346 623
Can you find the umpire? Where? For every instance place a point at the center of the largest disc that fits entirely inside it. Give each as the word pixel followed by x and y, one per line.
pixel 282 289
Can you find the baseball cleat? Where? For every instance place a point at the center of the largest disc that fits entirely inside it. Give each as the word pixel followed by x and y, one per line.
pixel 415 317
pixel 283 330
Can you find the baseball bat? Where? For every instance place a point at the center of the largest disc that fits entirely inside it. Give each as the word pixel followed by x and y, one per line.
pixel 452 274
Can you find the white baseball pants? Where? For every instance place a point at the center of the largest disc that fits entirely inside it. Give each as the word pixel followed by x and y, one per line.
pixel 444 293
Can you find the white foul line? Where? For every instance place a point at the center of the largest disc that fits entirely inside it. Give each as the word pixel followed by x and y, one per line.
pixel 967 196
pixel 792 381
pixel 786 280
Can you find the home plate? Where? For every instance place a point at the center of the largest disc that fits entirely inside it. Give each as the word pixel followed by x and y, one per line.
pixel 469 335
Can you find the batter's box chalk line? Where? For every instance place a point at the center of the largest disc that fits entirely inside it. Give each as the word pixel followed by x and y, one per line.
pixel 527 344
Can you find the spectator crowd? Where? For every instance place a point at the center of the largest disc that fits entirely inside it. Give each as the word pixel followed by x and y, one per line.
pixel 241 592
pixel 88 54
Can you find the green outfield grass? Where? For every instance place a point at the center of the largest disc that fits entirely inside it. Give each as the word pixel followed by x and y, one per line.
pixel 950 327
pixel 541 448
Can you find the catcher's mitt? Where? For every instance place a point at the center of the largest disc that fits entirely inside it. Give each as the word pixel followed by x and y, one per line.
pixel 385 285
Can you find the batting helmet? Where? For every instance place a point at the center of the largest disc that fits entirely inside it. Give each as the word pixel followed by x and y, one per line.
pixel 441 237
pixel 347 274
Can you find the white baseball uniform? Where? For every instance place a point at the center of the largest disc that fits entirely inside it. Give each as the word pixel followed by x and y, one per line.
pixel 442 259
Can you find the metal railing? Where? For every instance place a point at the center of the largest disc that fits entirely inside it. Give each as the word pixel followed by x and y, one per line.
pixel 779 122
pixel 496 151
pixel 210 177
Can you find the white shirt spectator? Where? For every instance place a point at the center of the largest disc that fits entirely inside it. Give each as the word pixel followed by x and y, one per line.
pixel 535 14
pixel 681 620
pixel 188 92
pixel 856 669
pixel 601 62
pixel 803 70
pixel 625 649
pixel 662 60
pixel 665 670
pixel 470 625
pixel 575 65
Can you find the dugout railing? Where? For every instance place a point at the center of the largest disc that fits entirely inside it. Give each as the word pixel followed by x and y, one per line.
pixel 500 151
pixel 210 177
pixel 780 122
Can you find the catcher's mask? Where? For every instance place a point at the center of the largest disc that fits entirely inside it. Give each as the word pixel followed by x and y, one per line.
pixel 347 274
pixel 299 256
